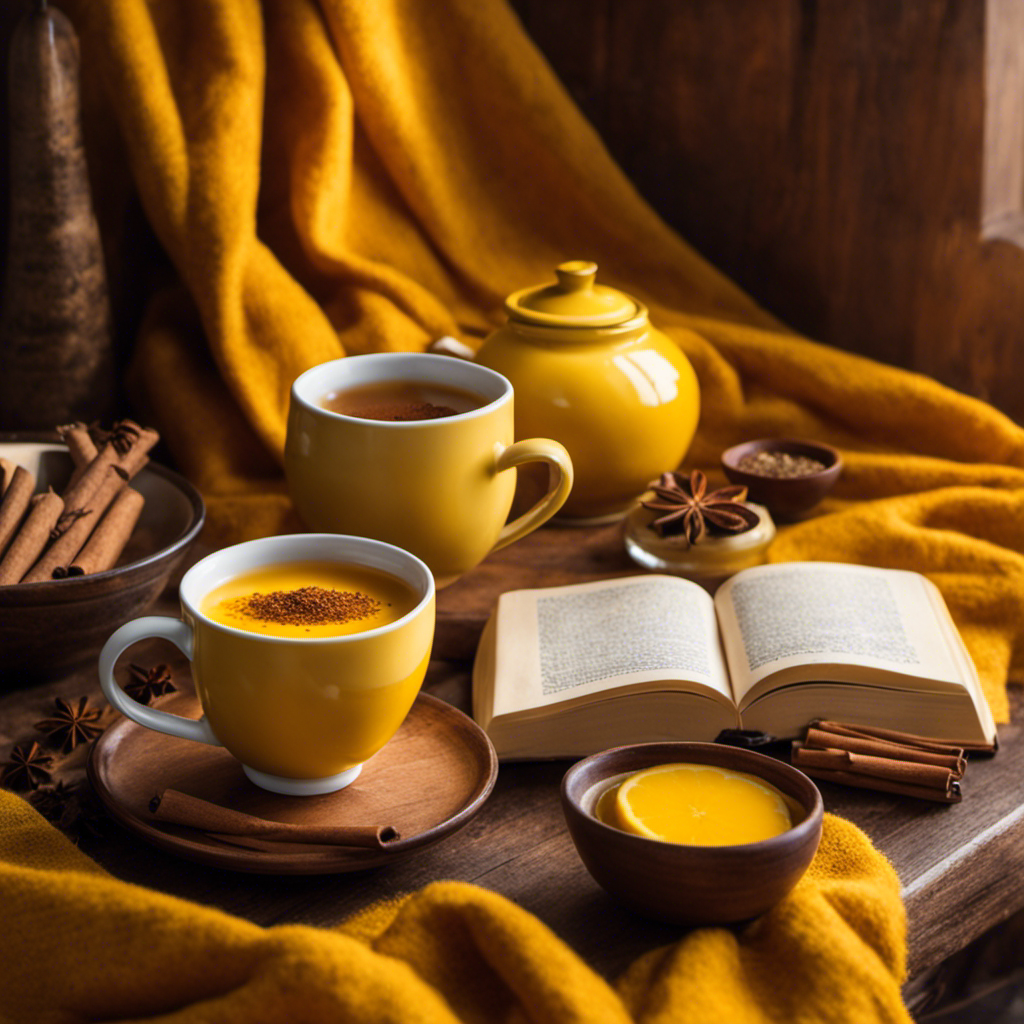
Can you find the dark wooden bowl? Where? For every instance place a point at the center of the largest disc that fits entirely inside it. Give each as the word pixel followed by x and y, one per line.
pixel 48 629
pixel 690 884
pixel 786 497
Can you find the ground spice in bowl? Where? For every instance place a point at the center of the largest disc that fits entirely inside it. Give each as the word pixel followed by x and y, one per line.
pixel 779 465
pixel 787 475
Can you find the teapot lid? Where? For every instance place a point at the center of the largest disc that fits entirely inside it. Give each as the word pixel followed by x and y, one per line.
pixel 575 301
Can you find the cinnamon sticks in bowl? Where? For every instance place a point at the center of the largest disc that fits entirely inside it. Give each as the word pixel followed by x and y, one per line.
pixel 85 527
pixel 53 627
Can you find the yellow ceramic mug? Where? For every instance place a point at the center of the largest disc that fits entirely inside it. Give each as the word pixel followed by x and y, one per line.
pixel 438 488
pixel 300 714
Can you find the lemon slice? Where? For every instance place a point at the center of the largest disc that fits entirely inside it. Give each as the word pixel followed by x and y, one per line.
pixel 604 809
pixel 700 805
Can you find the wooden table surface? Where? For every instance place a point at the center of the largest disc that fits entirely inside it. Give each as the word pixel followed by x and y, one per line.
pixel 961 866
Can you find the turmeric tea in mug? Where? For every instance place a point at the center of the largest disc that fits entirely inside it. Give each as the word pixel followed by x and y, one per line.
pixel 309 600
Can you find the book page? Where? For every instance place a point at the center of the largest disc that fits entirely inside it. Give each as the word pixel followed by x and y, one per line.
pixel 568 643
pixel 780 617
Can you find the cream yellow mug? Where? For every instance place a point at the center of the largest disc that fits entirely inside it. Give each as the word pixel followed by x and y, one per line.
pixel 440 488
pixel 300 714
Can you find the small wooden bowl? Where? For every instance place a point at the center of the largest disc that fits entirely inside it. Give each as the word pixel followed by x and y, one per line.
pixel 690 884
pixel 48 629
pixel 785 497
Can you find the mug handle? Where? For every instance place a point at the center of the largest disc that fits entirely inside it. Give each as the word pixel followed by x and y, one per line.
pixel 536 449
pixel 180 634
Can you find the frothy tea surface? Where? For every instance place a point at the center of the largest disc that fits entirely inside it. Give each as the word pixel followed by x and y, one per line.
pixel 310 600
pixel 402 401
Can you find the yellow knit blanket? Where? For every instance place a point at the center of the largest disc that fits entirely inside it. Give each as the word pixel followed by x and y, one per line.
pixel 77 945
pixel 356 176
pixel 349 176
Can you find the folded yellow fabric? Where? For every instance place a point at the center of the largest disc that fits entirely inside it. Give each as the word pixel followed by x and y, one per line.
pixel 78 945
pixel 342 177
pixel 348 176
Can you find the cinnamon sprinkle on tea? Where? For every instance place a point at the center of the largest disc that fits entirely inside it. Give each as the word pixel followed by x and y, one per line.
pixel 405 411
pixel 306 606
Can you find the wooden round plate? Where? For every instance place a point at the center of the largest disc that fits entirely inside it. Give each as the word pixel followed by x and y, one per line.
pixel 427 782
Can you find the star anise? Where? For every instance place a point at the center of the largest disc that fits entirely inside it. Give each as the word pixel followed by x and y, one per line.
pixel 83 817
pixel 73 809
pixel 27 768
pixel 121 437
pixel 148 683
pixel 51 801
pixel 71 725
pixel 693 512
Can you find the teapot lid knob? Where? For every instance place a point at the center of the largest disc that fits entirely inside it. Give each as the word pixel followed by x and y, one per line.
pixel 576 275
pixel 576 300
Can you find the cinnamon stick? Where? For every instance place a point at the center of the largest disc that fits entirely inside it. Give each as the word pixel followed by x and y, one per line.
pixel 109 538
pixel 952 796
pixel 7 468
pixel 893 736
pixel 31 538
pixel 953 761
pixel 882 759
pixel 14 503
pixel 136 440
pixel 177 808
pixel 81 447
pixel 75 525
pixel 72 531
pixel 912 773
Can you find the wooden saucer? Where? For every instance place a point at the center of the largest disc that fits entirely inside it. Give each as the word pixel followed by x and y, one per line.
pixel 428 781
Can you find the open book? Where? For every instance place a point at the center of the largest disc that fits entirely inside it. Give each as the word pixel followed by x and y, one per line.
pixel 566 671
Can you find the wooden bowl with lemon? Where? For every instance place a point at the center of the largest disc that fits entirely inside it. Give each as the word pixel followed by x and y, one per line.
pixel 692 833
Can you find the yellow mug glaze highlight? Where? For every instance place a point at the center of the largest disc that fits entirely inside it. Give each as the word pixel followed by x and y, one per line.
pixel 438 488
pixel 291 708
pixel 308 711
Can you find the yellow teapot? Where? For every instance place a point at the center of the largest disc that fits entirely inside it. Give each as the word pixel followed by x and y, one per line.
pixel 590 371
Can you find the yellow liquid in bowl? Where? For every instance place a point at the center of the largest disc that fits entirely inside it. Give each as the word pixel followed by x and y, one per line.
pixel 696 805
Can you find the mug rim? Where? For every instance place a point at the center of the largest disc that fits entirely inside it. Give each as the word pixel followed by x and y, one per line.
pixel 422 358
pixel 317 539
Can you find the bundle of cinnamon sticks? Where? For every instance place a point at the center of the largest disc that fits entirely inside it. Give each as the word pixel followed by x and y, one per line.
pixel 85 527
pixel 885 760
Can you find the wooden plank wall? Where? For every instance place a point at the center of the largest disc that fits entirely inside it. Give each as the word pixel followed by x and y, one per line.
pixel 829 155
